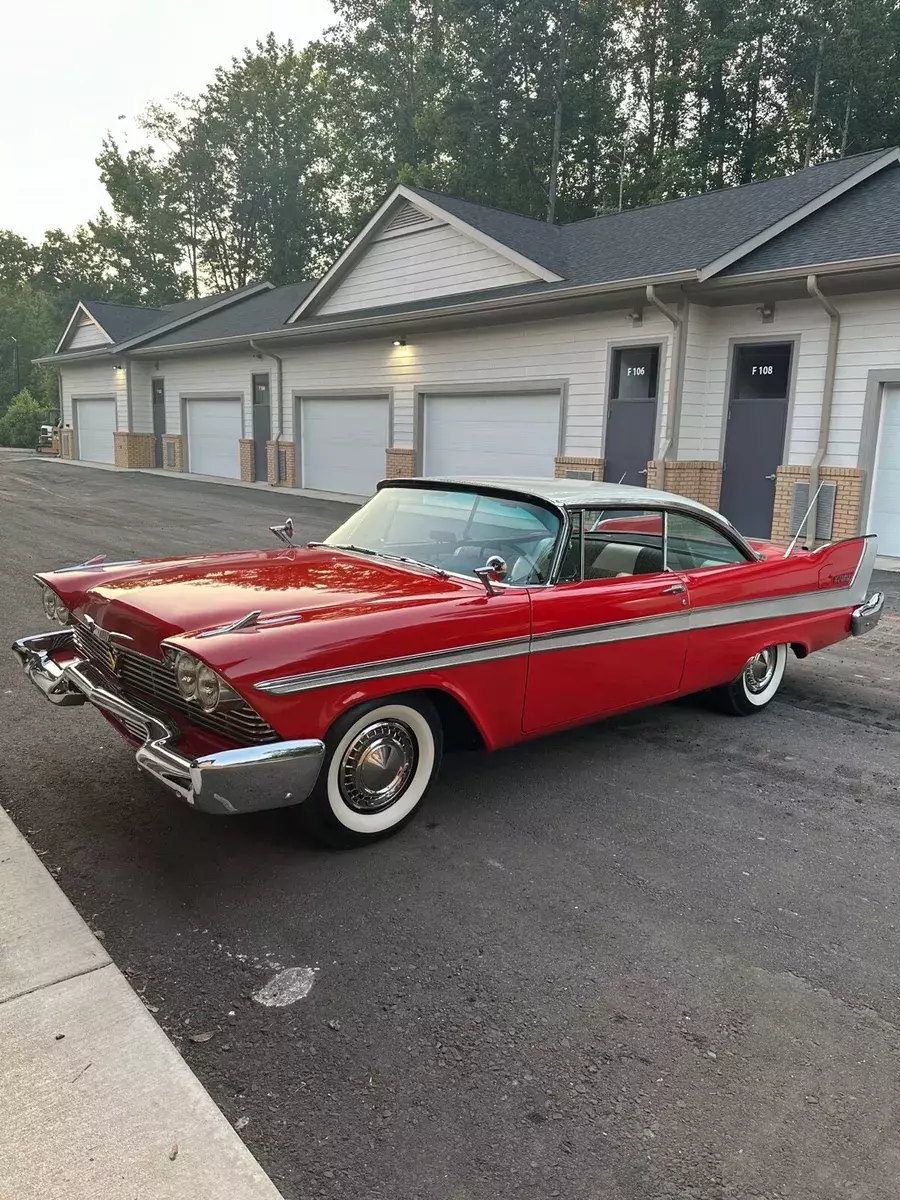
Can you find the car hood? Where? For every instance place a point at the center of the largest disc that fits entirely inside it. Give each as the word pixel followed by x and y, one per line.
pixel 154 600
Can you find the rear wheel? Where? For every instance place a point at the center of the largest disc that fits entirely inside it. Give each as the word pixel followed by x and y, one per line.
pixel 380 759
pixel 756 685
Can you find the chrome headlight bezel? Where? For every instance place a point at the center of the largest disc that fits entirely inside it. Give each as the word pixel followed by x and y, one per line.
pixel 48 602
pixel 224 695
pixel 54 608
pixel 207 678
pixel 186 662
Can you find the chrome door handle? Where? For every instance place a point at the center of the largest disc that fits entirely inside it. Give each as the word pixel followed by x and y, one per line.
pixel 673 589
pixel 644 472
pixel 771 477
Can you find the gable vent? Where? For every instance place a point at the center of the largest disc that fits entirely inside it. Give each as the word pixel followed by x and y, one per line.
pixel 407 217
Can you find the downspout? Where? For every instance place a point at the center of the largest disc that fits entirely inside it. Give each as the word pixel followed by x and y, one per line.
pixel 676 375
pixel 279 407
pixel 834 332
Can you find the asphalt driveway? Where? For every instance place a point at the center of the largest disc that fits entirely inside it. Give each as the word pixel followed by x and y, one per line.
pixel 652 958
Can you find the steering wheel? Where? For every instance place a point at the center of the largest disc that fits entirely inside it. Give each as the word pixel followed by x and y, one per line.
pixel 501 548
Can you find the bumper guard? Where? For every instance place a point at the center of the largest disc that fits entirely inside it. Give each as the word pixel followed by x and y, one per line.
pixel 227 782
pixel 867 616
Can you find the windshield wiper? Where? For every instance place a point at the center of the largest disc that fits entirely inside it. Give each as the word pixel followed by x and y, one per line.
pixel 402 558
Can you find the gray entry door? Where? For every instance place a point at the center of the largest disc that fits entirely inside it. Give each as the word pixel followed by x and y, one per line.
pixel 262 426
pixel 754 435
pixel 159 420
pixel 631 415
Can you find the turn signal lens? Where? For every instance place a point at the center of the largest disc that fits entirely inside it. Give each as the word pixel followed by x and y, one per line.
pixel 62 613
pixel 48 599
pixel 207 688
pixel 186 667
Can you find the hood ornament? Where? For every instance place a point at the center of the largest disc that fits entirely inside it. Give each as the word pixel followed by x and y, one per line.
pixel 285 532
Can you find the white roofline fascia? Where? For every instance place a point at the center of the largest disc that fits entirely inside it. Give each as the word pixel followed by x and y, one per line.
pixel 79 307
pixel 799 214
pixel 86 355
pixel 226 301
pixel 836 266
pixel 340 267
pixel 425 314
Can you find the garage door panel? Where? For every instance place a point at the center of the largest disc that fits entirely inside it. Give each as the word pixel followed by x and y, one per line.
pixel 343 443
pixel 491 435
pixel 214 429
pixel 96 421
pixel 884 512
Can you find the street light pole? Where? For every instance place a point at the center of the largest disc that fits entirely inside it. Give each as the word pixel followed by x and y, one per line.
pixel 15 342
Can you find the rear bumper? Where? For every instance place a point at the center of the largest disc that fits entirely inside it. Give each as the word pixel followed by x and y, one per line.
pixel 227 782
pixel 867 616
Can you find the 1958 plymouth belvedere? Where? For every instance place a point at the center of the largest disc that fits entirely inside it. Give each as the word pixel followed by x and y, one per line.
pixel 444 612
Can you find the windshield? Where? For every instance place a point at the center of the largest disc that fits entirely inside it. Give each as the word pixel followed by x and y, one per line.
pixel 455 531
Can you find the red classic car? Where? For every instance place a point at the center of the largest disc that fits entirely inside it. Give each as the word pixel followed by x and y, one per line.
pixel 444 612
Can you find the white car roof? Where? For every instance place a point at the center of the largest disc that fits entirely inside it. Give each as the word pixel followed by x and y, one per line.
pixel 572 492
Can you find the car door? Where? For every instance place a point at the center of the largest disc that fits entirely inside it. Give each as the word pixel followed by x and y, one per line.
pixel 612 633
pixel 724 585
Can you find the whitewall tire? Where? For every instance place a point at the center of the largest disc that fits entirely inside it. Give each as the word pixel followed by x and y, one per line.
pixel 755 687
pixel 380 760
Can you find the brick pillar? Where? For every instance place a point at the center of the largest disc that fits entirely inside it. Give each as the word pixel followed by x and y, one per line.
pixel 400 461
pixel 67 442
pixel 285 477
pixel 847 501
pixel 134 450
pixel 564 463
pixel 173 452
pixel 248 459
pixel 698 479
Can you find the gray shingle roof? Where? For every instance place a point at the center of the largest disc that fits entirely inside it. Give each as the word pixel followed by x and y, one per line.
pixel 261 313
pixel 863 223
pixel 662 239
pixel 124 321
pixel 679 235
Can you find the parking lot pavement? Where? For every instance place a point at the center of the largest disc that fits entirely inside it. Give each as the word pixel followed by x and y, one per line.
pixel 651 958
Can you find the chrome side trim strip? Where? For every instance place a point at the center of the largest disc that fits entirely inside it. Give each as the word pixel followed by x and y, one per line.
pixel 680 621
pixel 385 668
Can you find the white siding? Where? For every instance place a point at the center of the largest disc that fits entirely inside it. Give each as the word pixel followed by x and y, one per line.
pixel 86 380
pixel 869 340
pixel 437 261
pixel 86 332
pixel 142 395
pixel 570 349
pixel 211 375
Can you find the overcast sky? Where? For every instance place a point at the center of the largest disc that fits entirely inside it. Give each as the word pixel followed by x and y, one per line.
pixel 69 71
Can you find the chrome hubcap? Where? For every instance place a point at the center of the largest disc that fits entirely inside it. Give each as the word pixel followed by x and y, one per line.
pixel 377 766
pixel 759 671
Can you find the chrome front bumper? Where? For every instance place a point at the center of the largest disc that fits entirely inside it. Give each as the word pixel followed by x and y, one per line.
pixel 867 616
pixel 227 782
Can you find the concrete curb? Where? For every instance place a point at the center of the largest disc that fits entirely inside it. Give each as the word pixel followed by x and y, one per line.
pixel 189 477
pixel 94 1098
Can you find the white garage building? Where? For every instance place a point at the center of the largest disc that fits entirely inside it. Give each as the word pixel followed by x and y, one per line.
pixel 736 347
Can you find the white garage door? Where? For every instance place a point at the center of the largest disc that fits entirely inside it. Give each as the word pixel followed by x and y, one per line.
pixel 884 510
pixel 491 435
pixel 343 441
pixel 214 429
pixel 96 425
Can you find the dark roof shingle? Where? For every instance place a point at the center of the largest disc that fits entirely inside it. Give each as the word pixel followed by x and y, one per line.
pixel 863 223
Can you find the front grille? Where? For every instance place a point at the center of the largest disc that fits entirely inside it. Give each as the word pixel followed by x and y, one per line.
pixel 140 679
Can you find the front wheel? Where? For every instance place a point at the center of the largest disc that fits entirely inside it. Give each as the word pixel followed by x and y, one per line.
pixel 756 685
pixel 380 759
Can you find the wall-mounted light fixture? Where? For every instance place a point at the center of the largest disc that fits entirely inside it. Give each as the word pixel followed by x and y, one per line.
pixel 766 313
pixel 636 317
pixel 399 342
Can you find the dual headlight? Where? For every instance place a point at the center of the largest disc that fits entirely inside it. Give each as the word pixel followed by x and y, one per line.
pixel 198 682
pixel 54 609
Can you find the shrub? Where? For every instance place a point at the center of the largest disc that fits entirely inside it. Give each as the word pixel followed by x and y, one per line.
pixel 21 424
